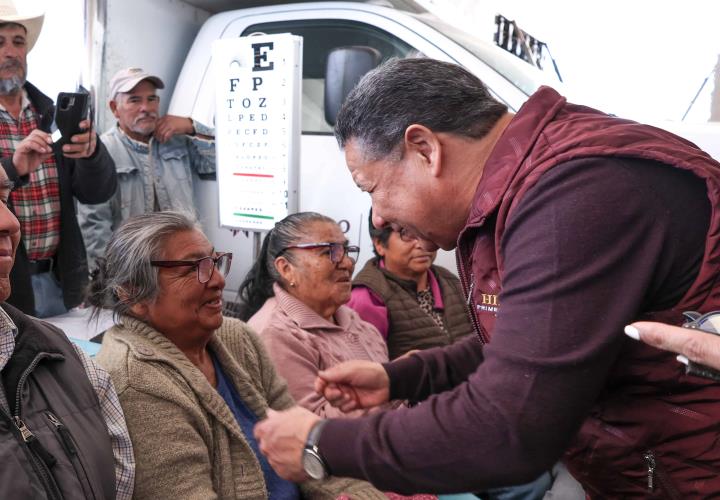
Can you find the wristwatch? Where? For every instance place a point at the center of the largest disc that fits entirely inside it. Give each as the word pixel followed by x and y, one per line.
pixel 312 462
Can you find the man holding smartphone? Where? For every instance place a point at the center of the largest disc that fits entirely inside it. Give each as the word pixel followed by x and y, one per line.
pixel 50 271
pixel 156 158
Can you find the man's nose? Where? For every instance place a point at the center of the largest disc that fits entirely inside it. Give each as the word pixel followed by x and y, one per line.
pixel 378 221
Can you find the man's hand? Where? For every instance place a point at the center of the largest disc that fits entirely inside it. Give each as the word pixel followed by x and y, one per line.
pixel 282 437
pixel 354 384
pixel 170 125
pixel 695 345
pixel 82 145
pixel 31 152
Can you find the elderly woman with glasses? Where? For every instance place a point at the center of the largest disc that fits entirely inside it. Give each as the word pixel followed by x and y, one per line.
pixel 192 384
pixel 413 303
pixel 296 293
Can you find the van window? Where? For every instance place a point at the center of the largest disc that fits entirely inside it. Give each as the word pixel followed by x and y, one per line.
pixel 319 38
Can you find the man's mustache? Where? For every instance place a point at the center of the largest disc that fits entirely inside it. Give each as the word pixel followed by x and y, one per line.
pixel 142 116
pixel 11 64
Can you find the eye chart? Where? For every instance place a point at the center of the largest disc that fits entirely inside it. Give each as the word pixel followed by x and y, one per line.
pixel 257 128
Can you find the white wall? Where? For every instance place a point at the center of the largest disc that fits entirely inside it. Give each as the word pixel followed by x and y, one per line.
pixel 153 34
pixel 55 64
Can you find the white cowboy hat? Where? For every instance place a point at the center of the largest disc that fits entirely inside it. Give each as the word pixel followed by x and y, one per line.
pixel 31 23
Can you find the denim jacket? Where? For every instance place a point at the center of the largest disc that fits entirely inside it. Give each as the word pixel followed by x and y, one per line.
pixel 144 172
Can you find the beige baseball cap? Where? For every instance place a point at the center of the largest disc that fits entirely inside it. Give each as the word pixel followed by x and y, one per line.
pixel 126 79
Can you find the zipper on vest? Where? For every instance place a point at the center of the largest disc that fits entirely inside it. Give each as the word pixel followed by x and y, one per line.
pixel 468 290
pixel 23 378
pixel 655 472
pixel 68 444
pixel 41 459
pixel 651 465
pixel 35 445
pixel 65 438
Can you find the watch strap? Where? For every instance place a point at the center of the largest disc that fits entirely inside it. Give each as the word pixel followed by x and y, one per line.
pixel 314 435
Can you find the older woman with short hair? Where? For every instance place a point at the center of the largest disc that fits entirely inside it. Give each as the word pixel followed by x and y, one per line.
pixel 192 383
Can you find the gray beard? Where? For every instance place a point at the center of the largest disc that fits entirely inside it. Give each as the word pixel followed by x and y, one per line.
pixel 9 86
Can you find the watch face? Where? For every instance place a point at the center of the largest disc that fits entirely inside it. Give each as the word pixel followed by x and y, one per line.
pixel 313 465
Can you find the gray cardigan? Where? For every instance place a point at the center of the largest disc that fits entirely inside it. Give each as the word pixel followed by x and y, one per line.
pixel 187 442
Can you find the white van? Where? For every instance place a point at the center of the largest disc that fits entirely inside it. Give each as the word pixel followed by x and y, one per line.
pixel 325 185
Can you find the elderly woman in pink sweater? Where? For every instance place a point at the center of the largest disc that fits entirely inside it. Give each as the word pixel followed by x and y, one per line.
pixel 296 294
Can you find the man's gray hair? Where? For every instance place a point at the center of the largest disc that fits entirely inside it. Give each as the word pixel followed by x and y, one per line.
pixel 443 97
pixel 125 276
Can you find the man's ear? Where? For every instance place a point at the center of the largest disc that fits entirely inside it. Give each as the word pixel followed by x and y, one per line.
pixel 424 146
pixel 113 107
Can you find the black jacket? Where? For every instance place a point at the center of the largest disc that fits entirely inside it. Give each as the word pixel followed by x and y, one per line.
pixel 90 180
pixel 55 444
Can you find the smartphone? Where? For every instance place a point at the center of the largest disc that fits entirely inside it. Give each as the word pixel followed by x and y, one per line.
pixel 708 323
pixel 70 109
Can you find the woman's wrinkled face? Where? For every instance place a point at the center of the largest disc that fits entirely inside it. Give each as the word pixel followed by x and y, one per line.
pixel 186 309
pixel 312 277
pixel 405 259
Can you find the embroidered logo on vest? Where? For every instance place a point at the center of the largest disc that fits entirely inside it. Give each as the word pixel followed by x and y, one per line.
pixel 488 303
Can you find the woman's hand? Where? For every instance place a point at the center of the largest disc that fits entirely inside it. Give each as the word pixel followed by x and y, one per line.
pixel 696 345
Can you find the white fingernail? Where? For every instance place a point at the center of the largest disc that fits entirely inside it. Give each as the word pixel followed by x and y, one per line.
pixel 632 332
pixel 683 359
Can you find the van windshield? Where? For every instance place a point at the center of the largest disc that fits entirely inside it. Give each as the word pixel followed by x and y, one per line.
pixel 521 74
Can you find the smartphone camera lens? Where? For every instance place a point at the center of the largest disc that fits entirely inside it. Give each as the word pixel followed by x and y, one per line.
pixel 65 103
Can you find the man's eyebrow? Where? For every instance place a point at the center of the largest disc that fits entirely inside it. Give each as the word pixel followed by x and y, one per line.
pixel 7 184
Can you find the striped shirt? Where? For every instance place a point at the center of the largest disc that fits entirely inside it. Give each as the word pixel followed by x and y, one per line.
pixel 109 406
pixel 37 203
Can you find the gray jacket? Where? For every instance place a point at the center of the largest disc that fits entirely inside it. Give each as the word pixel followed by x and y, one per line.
pixel 145 171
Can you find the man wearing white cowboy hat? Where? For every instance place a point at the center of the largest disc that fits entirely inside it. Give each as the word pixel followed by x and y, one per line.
pixel 50 272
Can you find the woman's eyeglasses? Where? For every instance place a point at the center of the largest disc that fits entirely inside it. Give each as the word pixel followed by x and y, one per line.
pixel 406 236
pixel 337 251
pixel 205 266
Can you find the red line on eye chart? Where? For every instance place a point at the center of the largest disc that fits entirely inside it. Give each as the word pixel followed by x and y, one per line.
pixel 241 174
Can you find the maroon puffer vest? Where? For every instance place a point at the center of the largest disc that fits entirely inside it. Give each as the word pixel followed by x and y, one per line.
pixel 653 417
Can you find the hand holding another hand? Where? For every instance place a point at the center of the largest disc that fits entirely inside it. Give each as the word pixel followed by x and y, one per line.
pixel 354 384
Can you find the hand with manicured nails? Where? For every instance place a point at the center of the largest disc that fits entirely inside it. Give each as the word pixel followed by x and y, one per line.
pixel 170 125
pixel 354 384
pixel 282 437
pixel 696 345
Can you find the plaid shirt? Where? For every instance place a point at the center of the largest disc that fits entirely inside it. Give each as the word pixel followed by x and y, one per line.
pixel 36 204
pixel 109 406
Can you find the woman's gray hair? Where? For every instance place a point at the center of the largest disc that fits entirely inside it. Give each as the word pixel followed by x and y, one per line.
pixel 443 97
pixel 125 276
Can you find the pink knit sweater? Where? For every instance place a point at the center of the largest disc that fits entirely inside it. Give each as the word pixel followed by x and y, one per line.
pixel 301 343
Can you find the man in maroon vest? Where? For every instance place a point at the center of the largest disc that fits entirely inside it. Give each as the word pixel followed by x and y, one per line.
pixel 568 224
